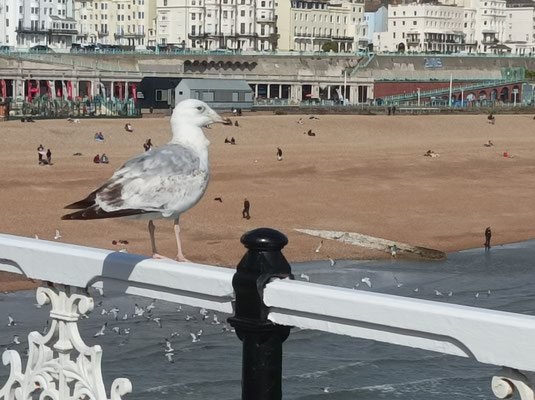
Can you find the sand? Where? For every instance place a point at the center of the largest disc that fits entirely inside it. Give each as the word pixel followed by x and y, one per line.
pixel 364 174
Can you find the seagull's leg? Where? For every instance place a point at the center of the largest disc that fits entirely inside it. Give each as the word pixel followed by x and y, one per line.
pixel 152 241
pixel 180 256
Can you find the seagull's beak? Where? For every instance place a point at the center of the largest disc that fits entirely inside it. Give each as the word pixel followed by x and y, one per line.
pixel 216 118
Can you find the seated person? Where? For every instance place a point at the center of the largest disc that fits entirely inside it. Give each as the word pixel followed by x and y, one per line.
pixel 147 145
pixel 96 159
pixel 128 128
pixel 99 137
pixel 491 119
pixel 489 144
pixel 104 159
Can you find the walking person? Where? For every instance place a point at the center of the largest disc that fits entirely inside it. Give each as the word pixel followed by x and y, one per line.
pixel 488 235
pixel 246 206
pixel 49 157
pixel 40 153
pixel 279 154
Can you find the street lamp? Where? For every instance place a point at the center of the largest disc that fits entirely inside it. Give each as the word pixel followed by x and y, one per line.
pixel 418 90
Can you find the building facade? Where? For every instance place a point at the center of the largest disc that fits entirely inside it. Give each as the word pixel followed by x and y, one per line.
pixel 520 30
pixel 306 25
pixel 216 24
pixel 420 27
pixel 28 23
pixel 114 22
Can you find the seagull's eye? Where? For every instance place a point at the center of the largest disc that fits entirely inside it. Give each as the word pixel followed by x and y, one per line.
pixel 200 108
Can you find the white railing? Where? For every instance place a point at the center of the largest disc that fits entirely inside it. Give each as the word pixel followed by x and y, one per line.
pixel 60 366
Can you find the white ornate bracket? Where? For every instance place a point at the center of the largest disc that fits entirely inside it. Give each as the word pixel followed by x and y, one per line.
pixel 510 381
pixel 60 365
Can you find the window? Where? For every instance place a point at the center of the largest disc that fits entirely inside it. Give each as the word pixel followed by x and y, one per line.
pixel 414 22
pixel 242 13
pixel 263 4
pixel 193 17
pixel 165 3
pixel 161 95
pixel 242 28
pixel 193 27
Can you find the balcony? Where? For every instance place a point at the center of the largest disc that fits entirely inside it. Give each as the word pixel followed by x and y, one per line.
pixel 265 304
pixel 128 35
pixel 101 34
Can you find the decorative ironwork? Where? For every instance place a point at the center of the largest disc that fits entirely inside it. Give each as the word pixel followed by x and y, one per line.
pixel 60 365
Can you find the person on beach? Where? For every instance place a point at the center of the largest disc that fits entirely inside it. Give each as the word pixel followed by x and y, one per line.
pixel 279 154
pixel 96 159
pixel 40 153
pixel 488 235
pixel 104 159
pixel 99 137
pixel 128 127
pixel 489 144
pixel 147 145
pixel 491 119
pixel 49 157
pixel 394 251
pixel 246 206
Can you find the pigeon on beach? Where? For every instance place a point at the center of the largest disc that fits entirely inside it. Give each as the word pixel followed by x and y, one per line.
pixel 161 183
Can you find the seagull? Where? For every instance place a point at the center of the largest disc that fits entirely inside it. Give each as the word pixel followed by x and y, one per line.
pixel 125 317
pixel 170 357
pixel 450 294
pixel 416 290
pixel 319 246
pixel 101 332
pixel 116 329
pixel 305 277
pixel 438 293
pixel 194 338
pixel 204 313
pixel 367 281
pixel 168 347
pixel 58 235
pixel 333 262
pixel 477 295
pixel 16 339
pixel 398 284
pixel 175 334
pixel 138 311
pixel 178 309
pixel 151 306
pixel 158 321
pixel 161 183
pixel 215 320
pixel 189 317
pixel 11 321
pixel 126 331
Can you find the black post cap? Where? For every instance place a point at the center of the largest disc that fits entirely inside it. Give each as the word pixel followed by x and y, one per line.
pixel 264 239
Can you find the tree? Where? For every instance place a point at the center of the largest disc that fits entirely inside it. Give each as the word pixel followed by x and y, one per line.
pixel 330 46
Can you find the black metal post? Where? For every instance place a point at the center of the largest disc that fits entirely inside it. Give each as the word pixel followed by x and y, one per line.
pixel 262 340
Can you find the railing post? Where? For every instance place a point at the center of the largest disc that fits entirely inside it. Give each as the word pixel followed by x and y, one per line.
pixel 262 340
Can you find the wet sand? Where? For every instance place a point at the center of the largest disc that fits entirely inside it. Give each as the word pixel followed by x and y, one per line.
pixel 364 174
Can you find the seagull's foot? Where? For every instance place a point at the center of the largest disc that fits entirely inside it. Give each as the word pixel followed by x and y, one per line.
pixel 157 256
pixel 180 258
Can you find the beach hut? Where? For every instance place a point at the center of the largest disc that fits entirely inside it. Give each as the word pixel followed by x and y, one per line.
pixel 220 94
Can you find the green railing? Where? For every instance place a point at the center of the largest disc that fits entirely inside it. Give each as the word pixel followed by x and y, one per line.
pixel 42 107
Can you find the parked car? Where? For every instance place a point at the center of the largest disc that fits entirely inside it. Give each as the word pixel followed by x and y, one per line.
pixel 41 49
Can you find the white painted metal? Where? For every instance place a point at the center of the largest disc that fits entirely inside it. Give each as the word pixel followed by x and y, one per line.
pixel 186 283
pixel 60 365
pixel 489 336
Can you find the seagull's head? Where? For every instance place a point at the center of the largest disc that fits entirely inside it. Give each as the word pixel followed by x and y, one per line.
pixel 198 113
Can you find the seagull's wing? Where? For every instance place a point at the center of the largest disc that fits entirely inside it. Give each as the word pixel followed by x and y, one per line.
pixel 167 180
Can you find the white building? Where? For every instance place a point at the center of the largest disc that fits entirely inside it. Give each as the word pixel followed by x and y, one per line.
pixel 485 21
pixel 216 24
pixel 520 30
pixel 114 22
pixel 27 23
pixel 306 25
pixel 423 28
pixel 9 13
